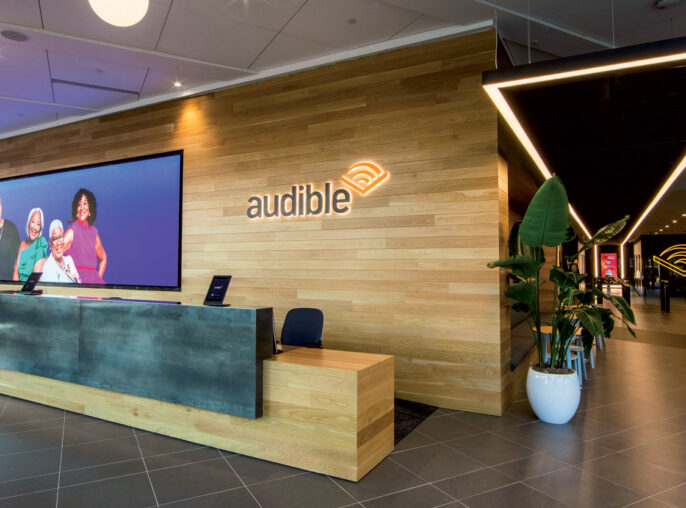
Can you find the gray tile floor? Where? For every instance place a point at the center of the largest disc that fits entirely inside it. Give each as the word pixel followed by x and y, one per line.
pixel 625 447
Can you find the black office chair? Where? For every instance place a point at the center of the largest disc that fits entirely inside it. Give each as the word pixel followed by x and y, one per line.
pixel 303 327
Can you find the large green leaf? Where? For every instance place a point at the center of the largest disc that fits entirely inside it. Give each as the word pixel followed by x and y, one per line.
pixel 522 266
pixel 565 279
pixel 524 292
pixel 591 320
pixel 623 307
pixel 602 236
pixel 546 219
pixel 513 240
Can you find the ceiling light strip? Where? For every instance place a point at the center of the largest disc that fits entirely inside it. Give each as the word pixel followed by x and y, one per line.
pixel 512 120
pixel 672 178
pixel 644 62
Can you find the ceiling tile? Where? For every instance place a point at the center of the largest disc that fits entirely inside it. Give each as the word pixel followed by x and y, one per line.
pixel 95 71
pixel 269 14
pixel 286 49
pixel 205 37
pixel 456 13
pixel 24 72
pixel 422 24
pixel 20 12
pixel 87 97
pixel 17 115
pixel 159 82
pixel 330 22
pixel 75 17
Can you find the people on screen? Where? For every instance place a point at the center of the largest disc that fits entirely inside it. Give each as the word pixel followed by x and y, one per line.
pixel 33 250
pixel 59 267
pixel 9 246
pixel 82 241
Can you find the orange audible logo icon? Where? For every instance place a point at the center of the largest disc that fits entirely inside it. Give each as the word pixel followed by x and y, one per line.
pixel 365 176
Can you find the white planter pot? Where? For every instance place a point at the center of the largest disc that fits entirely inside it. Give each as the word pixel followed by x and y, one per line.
pixel 553 397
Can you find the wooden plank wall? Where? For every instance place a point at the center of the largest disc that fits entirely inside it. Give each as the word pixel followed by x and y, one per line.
pixel 403 273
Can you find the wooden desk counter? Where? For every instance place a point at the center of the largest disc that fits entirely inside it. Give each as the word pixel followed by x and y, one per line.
pixel 324 410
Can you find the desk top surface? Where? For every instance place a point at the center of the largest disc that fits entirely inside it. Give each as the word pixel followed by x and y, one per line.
pixel 330 358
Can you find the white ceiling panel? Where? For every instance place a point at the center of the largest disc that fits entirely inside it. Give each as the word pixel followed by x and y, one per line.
pixel 456 12
pixel 17 115
pixel 160 82
pixel 24 72
pixel 87 97
pixel 286 49
pixel 422 24
pixel 206 44
pixel 543 9
pixel 206 37
pixel 548 41
pixel 268 14
pixel 20 12
pixel 75 17
pixel 95 71
pixel 330 22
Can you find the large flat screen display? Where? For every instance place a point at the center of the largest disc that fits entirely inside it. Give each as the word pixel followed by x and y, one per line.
pixel 115 224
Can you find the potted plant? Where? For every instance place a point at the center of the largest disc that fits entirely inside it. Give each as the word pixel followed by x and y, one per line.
pixel 553 389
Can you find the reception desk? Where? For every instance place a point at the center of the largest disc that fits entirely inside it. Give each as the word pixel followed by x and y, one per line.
pixel 321 410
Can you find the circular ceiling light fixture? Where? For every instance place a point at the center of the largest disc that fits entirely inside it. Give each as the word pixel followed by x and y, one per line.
pixel 120 13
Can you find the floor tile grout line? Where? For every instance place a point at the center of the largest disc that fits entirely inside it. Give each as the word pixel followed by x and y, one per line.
pixel 200 496
pixel 666 490
pixel 545 494
pixel 56 426
pixel 59 469
pixel 453 498
pixel 147 473
pixel 277 479
pixel 67 446
pixel 109 464
pixel 357 502
pixel 393 493
pixel 226 460
pixel 608 479
pixel 27 493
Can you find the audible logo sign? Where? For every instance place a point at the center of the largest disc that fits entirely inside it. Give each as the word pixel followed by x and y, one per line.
pixel 304 200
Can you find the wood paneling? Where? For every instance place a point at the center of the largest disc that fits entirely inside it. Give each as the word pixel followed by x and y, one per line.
pixel 404 272
pixel 325 411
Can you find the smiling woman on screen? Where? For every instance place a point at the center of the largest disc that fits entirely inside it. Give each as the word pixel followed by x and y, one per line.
pixel 82 241
pixel 32 251
pixel 58 267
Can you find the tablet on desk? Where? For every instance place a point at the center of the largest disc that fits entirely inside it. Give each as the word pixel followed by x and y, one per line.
pixel 30 284
pixel 217 291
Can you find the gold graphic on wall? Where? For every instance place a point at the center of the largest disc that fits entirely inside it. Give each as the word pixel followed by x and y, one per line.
pixel 673 258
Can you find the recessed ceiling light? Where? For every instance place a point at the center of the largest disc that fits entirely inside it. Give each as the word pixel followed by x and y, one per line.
pixel 177 84
pixel 667 226
pixel 120 13
pixel 14 36
pixel 673 220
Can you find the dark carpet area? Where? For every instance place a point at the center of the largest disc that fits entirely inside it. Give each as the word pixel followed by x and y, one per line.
pixel 408 415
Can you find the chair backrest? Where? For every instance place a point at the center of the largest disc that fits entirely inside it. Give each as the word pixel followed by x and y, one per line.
pixel 303 327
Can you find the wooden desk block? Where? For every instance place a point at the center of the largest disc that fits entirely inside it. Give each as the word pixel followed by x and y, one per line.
pixel 324 410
